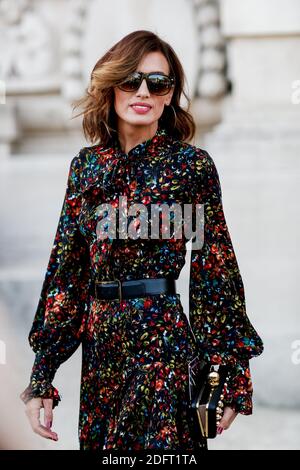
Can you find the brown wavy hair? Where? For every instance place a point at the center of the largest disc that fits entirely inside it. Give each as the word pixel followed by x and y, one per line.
pixel 99 116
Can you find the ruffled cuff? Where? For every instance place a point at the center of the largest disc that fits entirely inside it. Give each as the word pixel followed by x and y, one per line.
pixel 41 390
pixel 238 394
pixel 40 384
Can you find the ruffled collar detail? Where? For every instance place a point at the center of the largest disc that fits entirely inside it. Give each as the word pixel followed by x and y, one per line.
pixel 144 147
pixel 102 164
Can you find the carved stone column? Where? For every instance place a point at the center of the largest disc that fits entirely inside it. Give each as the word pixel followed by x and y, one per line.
pixel 256 149
pixel 28 69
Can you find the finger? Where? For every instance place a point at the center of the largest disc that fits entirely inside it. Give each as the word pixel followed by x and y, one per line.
pixel 45 432
pixel 33 413
pixel 227 418
pixel 48 412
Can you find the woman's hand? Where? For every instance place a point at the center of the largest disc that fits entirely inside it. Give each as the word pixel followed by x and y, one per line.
pixel 32 411
pixel 228 416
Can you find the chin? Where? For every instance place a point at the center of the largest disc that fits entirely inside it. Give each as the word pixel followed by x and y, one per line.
pixel 139 121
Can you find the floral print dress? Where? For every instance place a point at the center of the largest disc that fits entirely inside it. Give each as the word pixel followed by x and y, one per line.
pixel 134 383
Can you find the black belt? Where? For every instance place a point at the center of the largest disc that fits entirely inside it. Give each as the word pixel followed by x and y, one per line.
pixel 130 288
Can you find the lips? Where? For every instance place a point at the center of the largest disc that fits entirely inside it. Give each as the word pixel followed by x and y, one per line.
pixel 141 108
pixel 141 105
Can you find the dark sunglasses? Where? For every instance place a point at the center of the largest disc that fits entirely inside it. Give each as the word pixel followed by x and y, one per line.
pixel 158 83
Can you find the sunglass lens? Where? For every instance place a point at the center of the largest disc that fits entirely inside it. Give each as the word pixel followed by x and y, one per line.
pixel 159 84
pixel 132 83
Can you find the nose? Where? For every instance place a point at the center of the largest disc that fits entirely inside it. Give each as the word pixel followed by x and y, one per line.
pixel 143 89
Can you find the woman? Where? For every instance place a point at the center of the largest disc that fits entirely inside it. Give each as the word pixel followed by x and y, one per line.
pixel 136 338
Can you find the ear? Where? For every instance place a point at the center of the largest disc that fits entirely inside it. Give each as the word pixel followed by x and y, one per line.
pixel 170 96
pixel 168 101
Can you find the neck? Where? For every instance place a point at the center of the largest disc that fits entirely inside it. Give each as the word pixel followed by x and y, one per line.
pixel 130 135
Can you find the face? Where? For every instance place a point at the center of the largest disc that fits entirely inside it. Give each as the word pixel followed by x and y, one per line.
pixel 123 100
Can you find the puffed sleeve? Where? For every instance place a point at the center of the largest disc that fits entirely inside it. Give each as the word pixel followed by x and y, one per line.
pixel 63 304
pixel 218 315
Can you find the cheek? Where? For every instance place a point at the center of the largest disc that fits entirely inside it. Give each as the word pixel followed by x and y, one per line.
pixel 121 102
pixel 159 105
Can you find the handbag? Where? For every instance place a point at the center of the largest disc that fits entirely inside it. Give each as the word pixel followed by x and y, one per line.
pixel 207 387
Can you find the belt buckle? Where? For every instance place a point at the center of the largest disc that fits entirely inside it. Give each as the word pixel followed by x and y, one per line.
pixel 120 289
pixel 109 282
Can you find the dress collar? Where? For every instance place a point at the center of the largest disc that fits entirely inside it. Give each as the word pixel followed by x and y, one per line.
pixel 103 163
pixel 149 145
